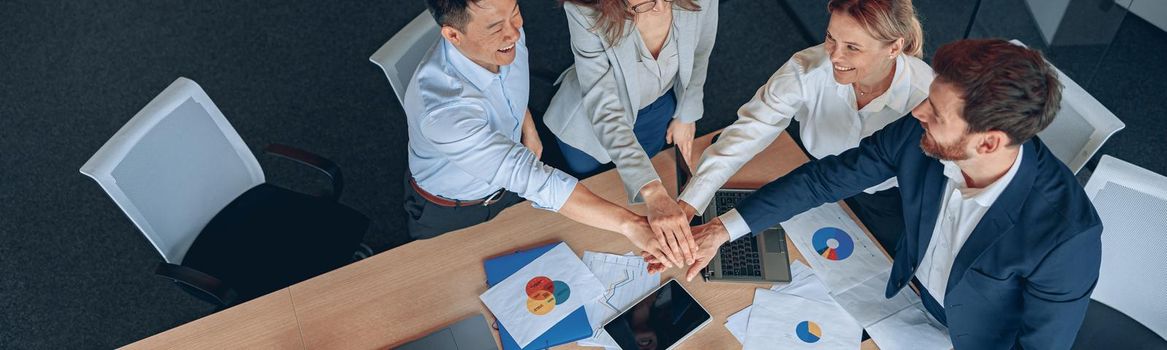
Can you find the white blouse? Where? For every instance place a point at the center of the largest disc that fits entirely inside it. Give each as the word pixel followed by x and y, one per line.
pixel 656 75
pixel 804 88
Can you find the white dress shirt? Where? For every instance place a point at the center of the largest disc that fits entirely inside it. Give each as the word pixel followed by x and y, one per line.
pixel 465 129
pixel 960 211
pixel 656 74
pixel 805 89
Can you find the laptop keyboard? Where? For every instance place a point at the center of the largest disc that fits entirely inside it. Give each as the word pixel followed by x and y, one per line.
pixel 738 258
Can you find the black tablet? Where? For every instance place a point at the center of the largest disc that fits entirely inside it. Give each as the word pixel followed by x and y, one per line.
pixel 659 321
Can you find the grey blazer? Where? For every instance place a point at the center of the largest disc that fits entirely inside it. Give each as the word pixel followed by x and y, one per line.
pixel 593 110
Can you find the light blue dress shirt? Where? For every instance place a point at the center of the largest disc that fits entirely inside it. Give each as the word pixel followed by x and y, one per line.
pixel 465 129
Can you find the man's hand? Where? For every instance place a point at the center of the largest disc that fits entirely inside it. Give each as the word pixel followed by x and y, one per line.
pixel 681 134
pixel 650 244
pixel 669 223
pixel 709 238
pixel 530 136
pixel 688 209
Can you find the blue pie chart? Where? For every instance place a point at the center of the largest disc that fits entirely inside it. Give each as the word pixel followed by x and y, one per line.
pixel 808 331
pixel 832 243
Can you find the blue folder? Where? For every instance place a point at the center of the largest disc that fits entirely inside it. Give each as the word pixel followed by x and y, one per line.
pixel 574 327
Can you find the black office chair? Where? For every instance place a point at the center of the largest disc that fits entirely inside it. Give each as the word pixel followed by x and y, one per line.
pixel 185 178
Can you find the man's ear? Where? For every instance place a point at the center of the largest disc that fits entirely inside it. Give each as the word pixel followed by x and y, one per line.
pixel 992 141
pixel 453 35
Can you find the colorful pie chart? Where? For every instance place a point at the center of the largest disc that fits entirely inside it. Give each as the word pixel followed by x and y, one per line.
pixel 833 243
pixel 808 331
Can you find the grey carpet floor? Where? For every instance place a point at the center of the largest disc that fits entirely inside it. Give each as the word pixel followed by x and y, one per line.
pixel 75 273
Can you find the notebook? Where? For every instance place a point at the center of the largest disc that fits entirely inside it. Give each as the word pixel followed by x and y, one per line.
pixel 572 328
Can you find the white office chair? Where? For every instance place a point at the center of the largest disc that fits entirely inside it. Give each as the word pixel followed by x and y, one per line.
pixel 158 167
pixel 1081 127
pixel 187 180
pixel 1132 203
pixel 401 55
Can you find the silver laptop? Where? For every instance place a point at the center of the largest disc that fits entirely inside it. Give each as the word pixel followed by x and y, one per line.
pixel 471 333
pixel 761 258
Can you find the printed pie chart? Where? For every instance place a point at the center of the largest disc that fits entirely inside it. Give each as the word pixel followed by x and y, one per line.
pixel 808 331
pixel 833 243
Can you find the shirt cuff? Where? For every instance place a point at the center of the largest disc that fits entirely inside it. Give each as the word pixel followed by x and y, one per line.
pixel 635 195
pixel 735 224
pixel 698 193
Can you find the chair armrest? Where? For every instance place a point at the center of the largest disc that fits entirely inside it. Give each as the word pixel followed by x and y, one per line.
pixel 310 159
pixel 198 280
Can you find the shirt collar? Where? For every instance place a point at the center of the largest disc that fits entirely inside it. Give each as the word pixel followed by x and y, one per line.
pixel 987 195
pixel 476 74
pixel 896 96
pixel 897 93
pixel 901 85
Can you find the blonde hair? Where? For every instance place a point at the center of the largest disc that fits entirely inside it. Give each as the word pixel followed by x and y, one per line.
pixel 886 21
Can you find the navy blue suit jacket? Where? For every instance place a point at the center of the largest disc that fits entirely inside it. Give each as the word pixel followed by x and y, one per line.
pixel 1024 276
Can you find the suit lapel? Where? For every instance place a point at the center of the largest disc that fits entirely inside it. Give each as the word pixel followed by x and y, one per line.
pixel 998 220
pixel 934 185
pixel 685 27
pixel 626 54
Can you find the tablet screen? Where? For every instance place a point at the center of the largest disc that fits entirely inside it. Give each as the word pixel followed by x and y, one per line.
pixel 659 320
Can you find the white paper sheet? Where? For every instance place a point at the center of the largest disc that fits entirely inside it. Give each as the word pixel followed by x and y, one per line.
pixel 866 301
pixel 857 280
pixel 542 293
pixel 857 257
pixel 784 321
pixel 736 323
pixel 910 328
pixel 625 279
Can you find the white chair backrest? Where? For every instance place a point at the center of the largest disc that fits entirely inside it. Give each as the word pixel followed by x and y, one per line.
pixel 1132 203
pixel 401 55
pixel 173 166
pixel 1081 127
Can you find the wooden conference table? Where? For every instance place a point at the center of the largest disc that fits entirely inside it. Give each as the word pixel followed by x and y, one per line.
pixel 404 293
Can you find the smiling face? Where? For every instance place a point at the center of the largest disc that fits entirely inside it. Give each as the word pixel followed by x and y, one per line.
pixel 489 37
pixel 855 54
pixel 946 134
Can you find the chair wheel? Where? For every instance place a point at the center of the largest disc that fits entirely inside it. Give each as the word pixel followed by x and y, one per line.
pixel 363 251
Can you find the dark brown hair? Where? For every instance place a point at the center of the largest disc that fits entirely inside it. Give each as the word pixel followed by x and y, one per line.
pixel 611 15
pixel 1005 87
pixel 454 13
pixel 886 21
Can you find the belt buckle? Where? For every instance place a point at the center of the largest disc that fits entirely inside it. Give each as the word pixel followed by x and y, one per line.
pixel 494 197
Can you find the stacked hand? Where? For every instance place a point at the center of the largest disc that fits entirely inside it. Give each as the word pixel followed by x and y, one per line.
pixel 649 243
pixel 670 225
pixel 709 239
